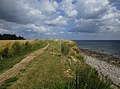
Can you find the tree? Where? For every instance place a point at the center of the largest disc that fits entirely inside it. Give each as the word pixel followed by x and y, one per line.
pixel 10 37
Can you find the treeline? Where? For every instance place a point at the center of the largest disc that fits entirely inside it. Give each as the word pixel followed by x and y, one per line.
pixel 10 37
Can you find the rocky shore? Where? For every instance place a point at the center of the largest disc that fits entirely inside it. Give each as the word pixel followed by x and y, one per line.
pixel 107 65
pixel 104 57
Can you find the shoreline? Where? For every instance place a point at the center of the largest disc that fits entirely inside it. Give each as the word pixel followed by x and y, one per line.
pixel 107 66
pixel 102 56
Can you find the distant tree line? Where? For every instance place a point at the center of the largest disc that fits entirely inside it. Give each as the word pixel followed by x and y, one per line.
pixel 10 37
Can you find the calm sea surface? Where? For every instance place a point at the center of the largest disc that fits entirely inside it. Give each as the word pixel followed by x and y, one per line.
pixel 106 46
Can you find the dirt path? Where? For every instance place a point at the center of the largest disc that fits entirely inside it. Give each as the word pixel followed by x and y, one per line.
pixel 16 68
pixel 106 69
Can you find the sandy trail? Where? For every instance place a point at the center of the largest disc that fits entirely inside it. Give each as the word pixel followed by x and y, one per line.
pixel 16 68
pixel 106 69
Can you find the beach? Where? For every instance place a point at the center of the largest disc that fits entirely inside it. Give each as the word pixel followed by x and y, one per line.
pixel 107 66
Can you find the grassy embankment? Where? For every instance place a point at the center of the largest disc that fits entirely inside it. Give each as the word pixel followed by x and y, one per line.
pixel 12 52
pixel 60 67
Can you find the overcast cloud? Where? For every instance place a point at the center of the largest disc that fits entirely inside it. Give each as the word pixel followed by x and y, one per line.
pixel 73 19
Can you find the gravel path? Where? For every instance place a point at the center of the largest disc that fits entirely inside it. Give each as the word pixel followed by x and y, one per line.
pixel 106 69
pixel 16 68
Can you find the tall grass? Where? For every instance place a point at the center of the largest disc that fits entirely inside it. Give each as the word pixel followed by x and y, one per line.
pixel 65 48
pixel 88 78
pixel 19 49
pixel 14 53
pixel 49 71
pixel 85 76
pixel 8 82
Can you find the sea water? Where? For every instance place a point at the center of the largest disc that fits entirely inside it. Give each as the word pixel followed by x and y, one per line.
pixel 102 46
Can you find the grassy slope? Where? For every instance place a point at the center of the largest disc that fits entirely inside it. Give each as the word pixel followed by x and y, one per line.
pixel 54 70
pixel 45 69
pixel 11 61
pixel 7 43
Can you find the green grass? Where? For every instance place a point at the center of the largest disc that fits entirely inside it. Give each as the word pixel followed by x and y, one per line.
pixel 44 70
pixel 16 52
pixel 88 78
pixel 52 71
pixel 8 82
pixel 65 48
pixel 8 63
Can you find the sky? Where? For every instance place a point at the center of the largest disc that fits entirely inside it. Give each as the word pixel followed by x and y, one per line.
pixel 61 19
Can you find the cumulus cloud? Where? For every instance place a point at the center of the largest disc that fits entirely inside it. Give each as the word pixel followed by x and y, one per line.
pixel 114 1
pixel 18 11
pixel 69 8
pixel 35 28
pixel 81 24
pixel 2 31
pixel 60 20
pixel 96 16
pixel 19 16
pixel 41 16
